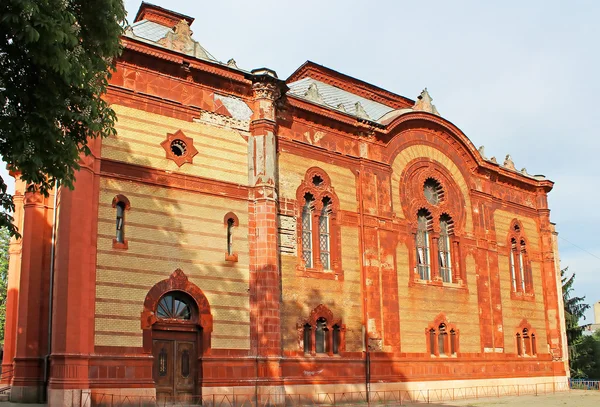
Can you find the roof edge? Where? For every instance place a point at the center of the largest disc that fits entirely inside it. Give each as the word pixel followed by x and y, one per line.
pixel 163 16
pixel 350 84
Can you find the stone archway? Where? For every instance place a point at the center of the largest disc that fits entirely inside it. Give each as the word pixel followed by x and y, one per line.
pixel 177 325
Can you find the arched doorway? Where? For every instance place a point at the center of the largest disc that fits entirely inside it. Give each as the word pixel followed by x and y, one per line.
pixel 177 324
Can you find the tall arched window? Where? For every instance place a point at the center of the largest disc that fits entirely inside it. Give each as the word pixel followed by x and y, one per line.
pixel 520 267
pixel 230 223
pixel 336 339
pixel 324 234
pixel 322 333
pixel 120 230
pixel 526 342
pixel 422 243
pixel 121 205
pixel 442 339
pixel 307 230
pixel 445 248
pixel 307 338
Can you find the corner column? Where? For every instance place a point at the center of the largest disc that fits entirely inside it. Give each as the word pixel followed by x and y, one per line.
pixel 14 277
pixel 75 285
pixel 265 284
pixel 30 346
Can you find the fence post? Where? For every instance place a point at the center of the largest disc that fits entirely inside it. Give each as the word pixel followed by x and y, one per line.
pixel 427 396
pixel 498 390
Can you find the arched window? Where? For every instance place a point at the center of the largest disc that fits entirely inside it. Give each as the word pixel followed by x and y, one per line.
pixel 442 339
pixel 445 249
pixel 520 267
pixel 422 243
pixel 324 234
pixel 526 342
pixel 519 345
pixel 121 205
pixel 120 230
pixel 321 336
pixel 230 223
pixel 307 235
pixel 173 307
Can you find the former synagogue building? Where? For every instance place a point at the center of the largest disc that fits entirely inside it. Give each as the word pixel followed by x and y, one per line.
pixel 246 233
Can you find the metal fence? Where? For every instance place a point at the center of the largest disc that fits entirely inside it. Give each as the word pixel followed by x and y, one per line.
pixel 581 384
pixel 375 398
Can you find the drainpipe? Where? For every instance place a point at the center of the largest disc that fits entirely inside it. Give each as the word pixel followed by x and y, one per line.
pixel 51 289
pixel 363 285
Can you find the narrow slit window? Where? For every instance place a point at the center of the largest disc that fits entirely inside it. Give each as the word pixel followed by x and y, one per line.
pixel 533 345
pixel 422 243
pixel 307 338
pixel 521 271
pixel 519 345
pixel 513 276
pixel 336 339
pixel 120 229
pixel 185 363
pixel 452 342
pixel 432 341
pixel 230 224
pixel 307 241
pixel 324 234
pixel 527 342
pixel 442 340
pixel 444 249
pixel 162 362
pixel 321 336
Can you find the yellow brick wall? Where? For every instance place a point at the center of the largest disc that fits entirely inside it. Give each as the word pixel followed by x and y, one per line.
pixel 292 169
pixel 420 304
pixel 168 229
pixel 514 311
pixel 418 151
pixel 301 295
pixel 222 153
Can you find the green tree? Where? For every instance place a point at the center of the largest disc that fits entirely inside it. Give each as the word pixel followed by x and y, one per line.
pixel 579 349
pixel 4 242
pixel 55 61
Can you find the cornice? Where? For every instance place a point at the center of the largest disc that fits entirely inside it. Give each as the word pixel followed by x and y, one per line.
pixel 224 71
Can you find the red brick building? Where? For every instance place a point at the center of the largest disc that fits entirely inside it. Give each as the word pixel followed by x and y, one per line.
pixel 243 233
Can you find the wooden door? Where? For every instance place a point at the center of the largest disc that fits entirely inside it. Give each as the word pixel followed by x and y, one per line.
pixel 174 370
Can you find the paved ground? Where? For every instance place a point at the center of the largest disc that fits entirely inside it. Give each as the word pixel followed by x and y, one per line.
pixel 574 398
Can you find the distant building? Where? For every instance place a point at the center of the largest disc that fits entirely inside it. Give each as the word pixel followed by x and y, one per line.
pixel 591 328
pixel 242 233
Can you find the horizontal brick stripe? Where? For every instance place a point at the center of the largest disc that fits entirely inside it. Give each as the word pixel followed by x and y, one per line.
pixel 141 303
pixel 114 333
pixel 166 274
pixel 179 215
pixel 173 129
pixel 163 243
pixel 161 137
pixel 162 157
pixel 180 260
pixel 137 318
pixel 178 201
pixel 145 287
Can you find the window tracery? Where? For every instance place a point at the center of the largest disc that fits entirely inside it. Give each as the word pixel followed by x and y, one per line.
pixel 318 231
pixel 521 277
pixel 442 338
pixel 321 333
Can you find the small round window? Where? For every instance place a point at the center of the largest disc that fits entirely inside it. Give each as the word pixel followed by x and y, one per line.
pixel 433 191
pixel 179 148
pixel 173 307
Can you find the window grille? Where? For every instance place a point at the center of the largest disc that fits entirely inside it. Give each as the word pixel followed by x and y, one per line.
pixel 422 239
pixel 513 276
pixel 171 307
pixel 444 249
pixel 307 232
pixel 324 234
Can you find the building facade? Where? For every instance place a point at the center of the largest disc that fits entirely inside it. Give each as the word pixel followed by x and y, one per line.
pixel 243 233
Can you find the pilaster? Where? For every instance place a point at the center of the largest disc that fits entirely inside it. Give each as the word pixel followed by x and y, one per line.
pixel 74 283
pixel 31 335
pixel 265 284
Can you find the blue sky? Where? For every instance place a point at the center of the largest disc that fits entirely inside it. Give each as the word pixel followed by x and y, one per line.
pixel 518 77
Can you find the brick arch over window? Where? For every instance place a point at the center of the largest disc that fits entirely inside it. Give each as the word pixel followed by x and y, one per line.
pixel 318 229
pixel 332 325
pixel 425 128
pixel 177 281
pixel 519 262
pixel 446 257
pixel 441 333
pixel 526 339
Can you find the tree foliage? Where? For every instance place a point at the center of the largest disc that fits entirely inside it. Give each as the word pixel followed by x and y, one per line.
pixel 4 242
pixel 55 61
pixel 584 351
